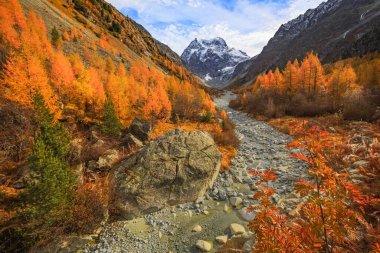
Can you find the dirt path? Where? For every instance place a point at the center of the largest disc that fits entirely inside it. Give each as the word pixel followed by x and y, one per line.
pixel 170 230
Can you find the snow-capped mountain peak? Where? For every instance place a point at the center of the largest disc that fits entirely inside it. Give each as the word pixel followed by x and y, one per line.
pixel 212 59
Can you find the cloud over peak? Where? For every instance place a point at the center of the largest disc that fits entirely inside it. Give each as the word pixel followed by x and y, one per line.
pixel 244 24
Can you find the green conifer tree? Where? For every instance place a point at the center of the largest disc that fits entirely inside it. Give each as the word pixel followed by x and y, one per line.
pixel 51 192
pixel 111 124
pixel 55 36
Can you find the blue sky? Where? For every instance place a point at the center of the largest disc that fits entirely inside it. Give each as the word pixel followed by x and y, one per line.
pixel 244 24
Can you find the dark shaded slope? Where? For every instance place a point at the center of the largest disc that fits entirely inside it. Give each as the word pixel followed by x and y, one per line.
pixel 342 29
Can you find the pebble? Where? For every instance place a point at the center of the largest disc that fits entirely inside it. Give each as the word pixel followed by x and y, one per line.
pixel 237 229
pixel 226 209
pixel 221 239
pixel 205 246
pixel 235 201
pixel 197 229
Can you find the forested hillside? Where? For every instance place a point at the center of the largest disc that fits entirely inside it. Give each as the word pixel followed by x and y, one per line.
pixel 74 75
pixel 307 88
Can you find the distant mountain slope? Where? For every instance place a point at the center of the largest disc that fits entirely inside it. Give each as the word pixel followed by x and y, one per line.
pixel 102 18
pixel 336 29
pixel 212 60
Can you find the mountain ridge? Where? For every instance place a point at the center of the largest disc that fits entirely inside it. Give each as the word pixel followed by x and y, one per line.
pixel 331 30
pixel 212 60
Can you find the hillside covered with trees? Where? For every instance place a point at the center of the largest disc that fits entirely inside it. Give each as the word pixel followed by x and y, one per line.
pixel 307 88
pixel 69 91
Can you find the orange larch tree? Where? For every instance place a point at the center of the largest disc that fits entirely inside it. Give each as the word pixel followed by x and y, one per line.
pixel 23 76
pixel 62 75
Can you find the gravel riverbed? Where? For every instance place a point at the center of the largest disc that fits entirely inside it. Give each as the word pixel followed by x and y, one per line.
pixel 170 230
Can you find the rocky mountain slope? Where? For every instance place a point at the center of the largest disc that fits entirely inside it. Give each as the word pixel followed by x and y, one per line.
pixel 98 18
pixel 212 60
pixel 336 29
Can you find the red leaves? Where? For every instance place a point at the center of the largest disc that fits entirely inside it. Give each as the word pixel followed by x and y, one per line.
pixel 375 248
pixel 328 220
pixel 223 115
pixel 268 175
pixel 302 157
pixel 258 195
pixel 303 187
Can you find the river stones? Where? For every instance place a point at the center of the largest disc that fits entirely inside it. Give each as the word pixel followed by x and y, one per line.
pixel 222 239
pixel 205 246
pixel 235 201
pixel 237 229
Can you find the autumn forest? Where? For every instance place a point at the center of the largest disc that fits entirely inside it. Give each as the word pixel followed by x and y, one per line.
pixel 112 142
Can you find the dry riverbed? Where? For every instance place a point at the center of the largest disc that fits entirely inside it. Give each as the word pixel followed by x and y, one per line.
pixel 171 230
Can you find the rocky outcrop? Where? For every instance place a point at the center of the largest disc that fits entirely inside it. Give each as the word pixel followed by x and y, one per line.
pixel 105 161
pixel 131 141
pixel 141 129
pixel 177 167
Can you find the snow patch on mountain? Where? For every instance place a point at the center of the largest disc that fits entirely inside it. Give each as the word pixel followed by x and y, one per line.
pixel 294 27
pixel 208 77
pixel 212 60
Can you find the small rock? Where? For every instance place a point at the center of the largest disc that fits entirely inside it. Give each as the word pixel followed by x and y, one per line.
pixel 357 139
pixel 200 200
pixel 206 212
pixel 108 159
pixel 332 130
pixel 246 215
pixel 222 195
pixel 131 140
pixel 237 229
pixel 221 239
pixel 360 164
pixel 197 228
pixel 141 129
pixel 204 245
pixel 226 209
pixel 248 246
pixel 235 201
pixel 311 123
pixel 19 185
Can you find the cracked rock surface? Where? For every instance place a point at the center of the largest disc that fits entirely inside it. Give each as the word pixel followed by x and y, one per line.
pixel 176 168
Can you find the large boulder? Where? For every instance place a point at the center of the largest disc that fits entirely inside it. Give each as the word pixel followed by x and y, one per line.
pixel 141 129
pixel 176 168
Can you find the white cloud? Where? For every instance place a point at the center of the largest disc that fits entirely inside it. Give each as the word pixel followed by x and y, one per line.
pixel 247 26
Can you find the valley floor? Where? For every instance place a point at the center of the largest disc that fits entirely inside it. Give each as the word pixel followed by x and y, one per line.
pixel 170 230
